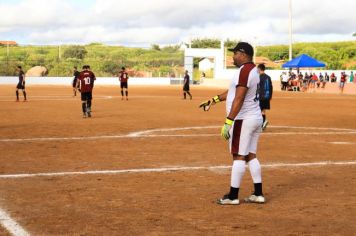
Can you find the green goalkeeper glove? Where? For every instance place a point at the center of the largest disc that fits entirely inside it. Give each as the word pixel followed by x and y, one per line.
pixel 225 130
pixel 207 104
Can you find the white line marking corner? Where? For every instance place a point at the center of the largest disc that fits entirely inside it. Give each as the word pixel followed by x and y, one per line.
pixel 11 225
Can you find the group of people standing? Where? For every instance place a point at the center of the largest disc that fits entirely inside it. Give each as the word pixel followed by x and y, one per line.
pixel 84 82
pixel 311 81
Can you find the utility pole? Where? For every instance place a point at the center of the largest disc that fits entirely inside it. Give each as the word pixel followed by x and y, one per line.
pixel 7 50
pixel 59 52
pixel 254 49
pixel 290 30
pixel 7 57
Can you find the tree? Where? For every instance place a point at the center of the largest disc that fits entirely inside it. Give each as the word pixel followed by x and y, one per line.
pixel 75 51
pixel 171 48
pixel 230 43
pixel 205 43
pixel 110 67
pixel 155 47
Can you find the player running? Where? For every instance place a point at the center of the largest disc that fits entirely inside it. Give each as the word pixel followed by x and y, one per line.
pixel 123 77
pixel 86 84
pixel 21 84
pixel 242 126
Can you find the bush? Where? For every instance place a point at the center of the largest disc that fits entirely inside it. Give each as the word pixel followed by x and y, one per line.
pixel 110 68
pixel 76 51
pixel 205 43
pixel 9 68
pixel 155 47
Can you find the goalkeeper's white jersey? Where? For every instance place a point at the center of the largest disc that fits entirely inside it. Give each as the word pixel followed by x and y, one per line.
pixel 246 76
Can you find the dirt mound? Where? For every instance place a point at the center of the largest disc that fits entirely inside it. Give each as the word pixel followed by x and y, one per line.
pixel 37 71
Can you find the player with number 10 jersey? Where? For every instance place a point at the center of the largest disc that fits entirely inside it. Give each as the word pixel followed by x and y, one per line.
pixel 86 80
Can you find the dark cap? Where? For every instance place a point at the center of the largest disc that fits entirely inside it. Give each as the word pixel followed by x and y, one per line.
pixel 244 48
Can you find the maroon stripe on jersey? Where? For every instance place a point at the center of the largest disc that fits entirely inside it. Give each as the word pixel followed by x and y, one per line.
pixel 244 74
pixel 236 133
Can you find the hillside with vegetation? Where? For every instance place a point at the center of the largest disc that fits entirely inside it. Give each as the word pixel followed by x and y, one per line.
pixel 336 55
pixel 106 60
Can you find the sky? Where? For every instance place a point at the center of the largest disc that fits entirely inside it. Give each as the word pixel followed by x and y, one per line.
pixel 141 23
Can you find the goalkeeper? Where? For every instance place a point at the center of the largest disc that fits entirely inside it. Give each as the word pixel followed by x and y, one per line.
pixel 242 125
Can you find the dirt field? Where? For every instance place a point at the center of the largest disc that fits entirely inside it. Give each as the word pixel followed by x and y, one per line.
pixel 150 143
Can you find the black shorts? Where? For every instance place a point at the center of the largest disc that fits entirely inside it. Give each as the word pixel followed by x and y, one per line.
pixel 186 88
pixel 123 85
pixel 20 86
pixel 74 83
pixel 86 96
pixel 265 104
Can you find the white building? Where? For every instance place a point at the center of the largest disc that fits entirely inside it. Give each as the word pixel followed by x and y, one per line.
pixel 206 64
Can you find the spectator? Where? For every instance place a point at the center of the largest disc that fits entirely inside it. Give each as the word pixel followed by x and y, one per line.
pixel 313 81
pixel 300 81
pixel 285 79
pixel 305 82
pixel 342 82
pixel 300 76
pixel 318 82
pixel 321 80
pixel 352 77
pixel 333 78
pixel 327 77
pixel 295 85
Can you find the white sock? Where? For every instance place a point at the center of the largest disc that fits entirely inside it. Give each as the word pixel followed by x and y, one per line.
pixel 237 172
pixel 255 170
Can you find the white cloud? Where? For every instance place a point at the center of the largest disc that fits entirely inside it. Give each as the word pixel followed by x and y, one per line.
pixel 143 22
pixel 34 14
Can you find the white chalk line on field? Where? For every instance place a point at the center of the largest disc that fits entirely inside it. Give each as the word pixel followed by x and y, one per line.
pixel 152 134
pixel 168 169
pixel 11 225
pixel 71 98
pixel 57 98
pixel 15 228
pixel 342 143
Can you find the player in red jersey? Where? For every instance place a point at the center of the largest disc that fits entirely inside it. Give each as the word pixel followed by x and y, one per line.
pixel 123 77
pixel 86 83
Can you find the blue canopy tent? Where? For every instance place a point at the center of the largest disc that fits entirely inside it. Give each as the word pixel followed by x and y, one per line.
pixel 303 61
